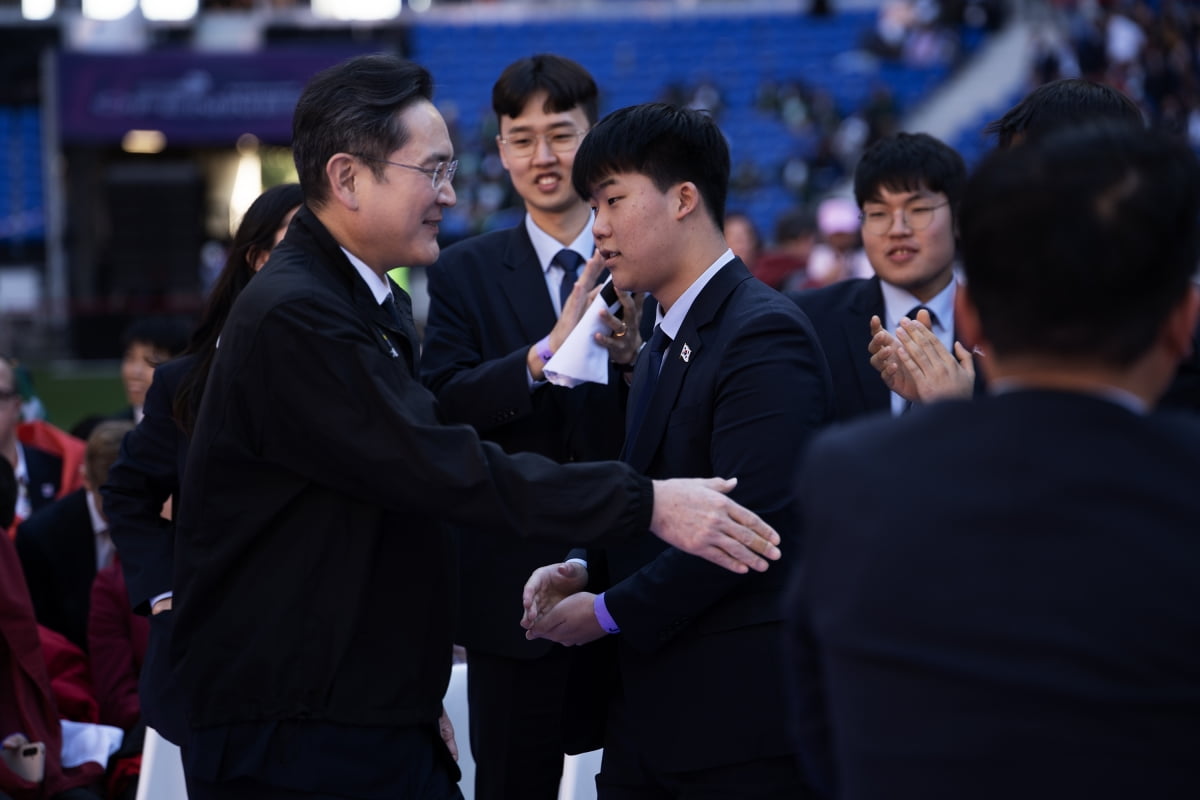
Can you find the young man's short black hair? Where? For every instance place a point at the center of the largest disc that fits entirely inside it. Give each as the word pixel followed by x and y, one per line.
pixel 566 83
pixel 353 107
pixel 166 334
pixel 668 144
pixel 1058 104
pixel 907 162
pixel 1079 244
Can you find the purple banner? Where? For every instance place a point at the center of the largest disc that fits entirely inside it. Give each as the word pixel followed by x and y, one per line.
pixel 193 98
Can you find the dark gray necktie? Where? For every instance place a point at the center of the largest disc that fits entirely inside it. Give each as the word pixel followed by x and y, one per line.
pixel 643 389
pixel 570 261
pixel 389 305
pixel 933 318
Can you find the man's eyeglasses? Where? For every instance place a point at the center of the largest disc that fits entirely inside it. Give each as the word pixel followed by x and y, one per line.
pixel 440 173
pixel 523 144
pixel 918 218
pixel 8 394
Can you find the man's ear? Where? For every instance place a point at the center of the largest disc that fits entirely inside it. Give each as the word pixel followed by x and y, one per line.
pixel 1180 328
pixel 503 157
pixel 687 198
pixel 967 326
pixel 342 171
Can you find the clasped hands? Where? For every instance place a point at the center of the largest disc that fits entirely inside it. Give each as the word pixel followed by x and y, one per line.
pixel 557 608
pixel 914 363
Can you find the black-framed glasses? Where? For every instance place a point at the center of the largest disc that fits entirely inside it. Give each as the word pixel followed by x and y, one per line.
pixel 523 144
pixel 8 394
pixel 440 173
pixel 918 217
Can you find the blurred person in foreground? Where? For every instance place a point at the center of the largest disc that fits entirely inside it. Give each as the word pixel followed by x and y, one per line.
pixel 314 581
pixel 1032 633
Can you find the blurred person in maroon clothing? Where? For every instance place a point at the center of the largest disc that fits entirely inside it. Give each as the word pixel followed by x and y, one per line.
pixel 27 705
pixel 116 647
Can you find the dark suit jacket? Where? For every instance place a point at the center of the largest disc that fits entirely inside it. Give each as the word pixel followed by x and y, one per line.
pixel 45 477
pixel 488 304
pixel 742 387
pixel 145 474
pixel 313 578
pixel 57 546
pixel 841 314
pixel 1030 633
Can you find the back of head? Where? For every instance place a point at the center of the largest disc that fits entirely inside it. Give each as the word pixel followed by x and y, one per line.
pixel 103 447
pixel 907 162
pixel 668 144
pixel 567 85
pixel 353 107
pixel 1059 104
pixel 256 232
pixel 167 335
pixel 1079 244
pixel 793 224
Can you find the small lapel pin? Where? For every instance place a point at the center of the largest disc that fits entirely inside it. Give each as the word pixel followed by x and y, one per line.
pixel 685 353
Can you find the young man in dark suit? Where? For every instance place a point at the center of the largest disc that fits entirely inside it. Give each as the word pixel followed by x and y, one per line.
pixel 908 187
pixel 1032 633
pixel 314 583
pixel 495 315
pixel 733 382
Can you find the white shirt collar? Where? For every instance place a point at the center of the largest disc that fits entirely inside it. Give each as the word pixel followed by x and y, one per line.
pixel 21 472
pixel 672 321
pixel 547 247
pixel 379 286
pixel 104 543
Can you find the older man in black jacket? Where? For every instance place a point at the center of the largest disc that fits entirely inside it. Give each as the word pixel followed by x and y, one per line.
pixel 314 584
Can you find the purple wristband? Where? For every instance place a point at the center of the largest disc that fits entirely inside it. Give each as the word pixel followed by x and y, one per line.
pixel 602 616
pixel 543 349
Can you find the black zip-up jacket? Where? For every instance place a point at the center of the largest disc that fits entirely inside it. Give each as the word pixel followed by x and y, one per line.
pixel 314 579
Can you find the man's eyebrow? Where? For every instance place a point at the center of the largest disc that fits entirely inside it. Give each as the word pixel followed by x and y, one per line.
pixel 527 128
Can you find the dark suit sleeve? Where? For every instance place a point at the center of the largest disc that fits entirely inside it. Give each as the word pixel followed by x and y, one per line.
pixel 772 393
pixel 388 446
pixel 39 574
pixel 479 391
pixel 144 475
pixel 805 688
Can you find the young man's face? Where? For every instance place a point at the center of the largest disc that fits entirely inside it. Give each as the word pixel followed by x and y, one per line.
pixel 918 260
pixel 137 370
pixel 542 175
pixel 634 229
pixel 401 211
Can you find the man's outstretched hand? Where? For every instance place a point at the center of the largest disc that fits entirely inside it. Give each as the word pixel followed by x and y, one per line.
pixel 696 516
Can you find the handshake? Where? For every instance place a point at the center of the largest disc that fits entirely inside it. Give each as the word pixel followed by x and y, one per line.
pixel 557 608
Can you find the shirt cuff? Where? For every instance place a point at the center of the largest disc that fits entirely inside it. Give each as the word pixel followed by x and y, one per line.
pixel 602 616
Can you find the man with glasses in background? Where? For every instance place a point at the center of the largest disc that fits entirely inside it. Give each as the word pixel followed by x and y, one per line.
pixel 908 187
pixel 500 305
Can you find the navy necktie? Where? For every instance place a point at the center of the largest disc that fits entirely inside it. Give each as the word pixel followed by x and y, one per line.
pixel 643 391
pixel 569 260
pixel 389 305
pixel 933 318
